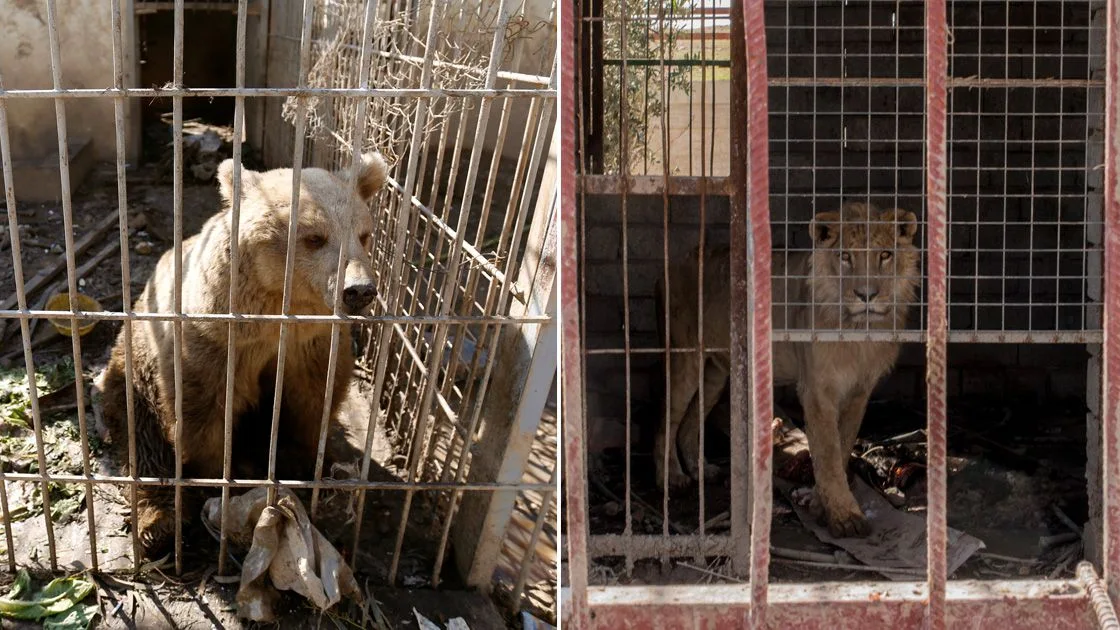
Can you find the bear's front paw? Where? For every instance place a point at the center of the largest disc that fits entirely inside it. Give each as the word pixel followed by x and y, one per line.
pixel 156 526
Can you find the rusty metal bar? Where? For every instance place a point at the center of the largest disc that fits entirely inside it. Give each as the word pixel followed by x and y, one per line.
pixel 25 336
pixel 937 70
pixel 950 82
pixel 1098 596
pixel 1110 417
pixel 234 276
pixel 1032 604
pixel 740 442
pixel 909 336
pixel 574 475
pixel 346 484
pixel 359 132
pixel 25 314
pixel 289 257
pixel 653 184
pixel 177 294
pixel 71 278
pixel 758 250
pixel 119 105
pixel 506 75
pixel 534 538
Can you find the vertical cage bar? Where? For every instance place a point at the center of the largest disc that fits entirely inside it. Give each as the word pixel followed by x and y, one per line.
pixel 1111 415
pixel 25 333
pixel 119 105
pixel 534 539
pixel 759 304
pixel 937 67
pixel 71 277
pixel 739 379
pixel 340 270
pixel 572 392
pixel 177 323
pixel 234 276
pixel 289 258
pixel 396 295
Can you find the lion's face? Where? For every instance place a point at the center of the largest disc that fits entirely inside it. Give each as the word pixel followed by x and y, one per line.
pixel 864 265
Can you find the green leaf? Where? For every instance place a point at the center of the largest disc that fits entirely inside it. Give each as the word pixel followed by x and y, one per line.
pixel 77 618
pixel 59 602
pixel 20 586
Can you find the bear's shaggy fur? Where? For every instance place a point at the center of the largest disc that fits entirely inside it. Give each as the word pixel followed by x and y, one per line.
pixel 331 215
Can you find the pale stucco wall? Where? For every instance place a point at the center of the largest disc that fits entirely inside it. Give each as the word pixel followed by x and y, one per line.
pixel 86 51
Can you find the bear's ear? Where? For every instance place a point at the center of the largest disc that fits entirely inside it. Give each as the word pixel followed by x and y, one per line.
pixel 225 179
pixel 825 228
pixel 372 175
pixel 906 223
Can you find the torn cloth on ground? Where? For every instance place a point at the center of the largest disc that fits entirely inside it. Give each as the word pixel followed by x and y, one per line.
pixel 284 544
pixel 897 540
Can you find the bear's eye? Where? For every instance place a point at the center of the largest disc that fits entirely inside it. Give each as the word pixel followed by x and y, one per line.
pixel 885 256
pixel 845 258
pixel 314 241
pixel 365 239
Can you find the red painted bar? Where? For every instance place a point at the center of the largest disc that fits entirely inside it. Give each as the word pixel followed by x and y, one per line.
pixel 762 392
pixel 937 71
pixel 1111 407
pixel 575 503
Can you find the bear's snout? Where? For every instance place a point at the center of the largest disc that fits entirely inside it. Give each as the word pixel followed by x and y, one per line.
pixel 358 296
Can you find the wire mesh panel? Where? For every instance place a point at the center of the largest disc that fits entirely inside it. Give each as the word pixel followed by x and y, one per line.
pixel 438 116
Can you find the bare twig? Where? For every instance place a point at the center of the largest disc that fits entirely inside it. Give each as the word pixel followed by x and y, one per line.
pixel 850 567
pixel 711 573
pixel 1064 560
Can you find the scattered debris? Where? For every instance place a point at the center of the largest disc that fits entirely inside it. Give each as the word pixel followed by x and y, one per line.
pixel 58 605
pixel 204 148
pixel 457 623
pixel 91 236
pixel 283 543
pixel 897 544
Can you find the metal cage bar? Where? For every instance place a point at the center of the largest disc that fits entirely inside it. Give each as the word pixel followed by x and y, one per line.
pixel 937 69
pixel 1110 417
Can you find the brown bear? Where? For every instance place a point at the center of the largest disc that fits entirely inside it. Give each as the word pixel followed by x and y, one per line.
pixel 331 215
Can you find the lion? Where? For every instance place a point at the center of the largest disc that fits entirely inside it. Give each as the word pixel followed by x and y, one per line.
pixel 862 273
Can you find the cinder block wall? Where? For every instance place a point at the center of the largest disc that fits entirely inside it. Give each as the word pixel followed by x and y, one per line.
pixel 1024 194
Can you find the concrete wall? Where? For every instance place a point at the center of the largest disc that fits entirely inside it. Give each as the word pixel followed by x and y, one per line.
pixel 87 62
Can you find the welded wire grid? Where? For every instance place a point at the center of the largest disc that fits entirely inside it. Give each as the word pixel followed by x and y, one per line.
pixel 362 78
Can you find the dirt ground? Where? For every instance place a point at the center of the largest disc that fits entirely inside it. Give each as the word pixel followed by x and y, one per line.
pixel 1015 470
pixel 156 598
